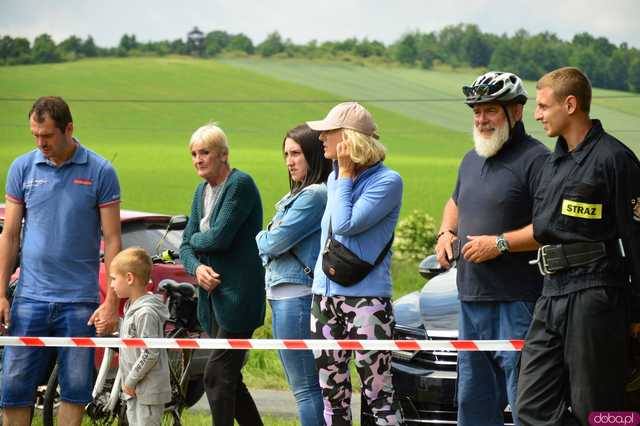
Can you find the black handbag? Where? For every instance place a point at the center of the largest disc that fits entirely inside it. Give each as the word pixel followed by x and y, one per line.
pixel 344 267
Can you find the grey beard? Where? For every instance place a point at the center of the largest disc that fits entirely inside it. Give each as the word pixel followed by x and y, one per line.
pixel 488 147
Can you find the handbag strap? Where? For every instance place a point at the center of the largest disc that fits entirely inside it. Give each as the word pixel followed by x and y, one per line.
pixel 308 271
pixel 382 254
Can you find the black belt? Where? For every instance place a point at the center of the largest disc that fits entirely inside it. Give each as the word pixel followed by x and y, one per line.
pixel 556 257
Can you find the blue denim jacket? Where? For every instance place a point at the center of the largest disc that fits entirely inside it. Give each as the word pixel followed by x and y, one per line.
pixel 295 226
pixel 363 213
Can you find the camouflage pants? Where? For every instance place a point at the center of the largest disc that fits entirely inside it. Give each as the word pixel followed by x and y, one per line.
pixel 355 318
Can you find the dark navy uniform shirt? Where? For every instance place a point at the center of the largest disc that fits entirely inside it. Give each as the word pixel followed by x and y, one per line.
pixel 495 195
pixel 587 195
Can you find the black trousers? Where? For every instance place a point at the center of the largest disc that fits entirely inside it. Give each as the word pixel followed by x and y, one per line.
pixel 227 394
pixel 576 355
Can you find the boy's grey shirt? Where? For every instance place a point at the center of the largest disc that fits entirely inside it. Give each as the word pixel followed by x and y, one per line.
pixel 143 369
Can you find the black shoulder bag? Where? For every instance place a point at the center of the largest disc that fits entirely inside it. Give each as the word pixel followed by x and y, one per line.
pixel 341 265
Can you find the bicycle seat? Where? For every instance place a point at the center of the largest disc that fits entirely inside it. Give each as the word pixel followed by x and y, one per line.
pixel 170 287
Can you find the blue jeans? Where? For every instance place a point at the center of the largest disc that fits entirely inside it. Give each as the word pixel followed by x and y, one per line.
pixel 291 319
pixel 487 380
pixel 24 368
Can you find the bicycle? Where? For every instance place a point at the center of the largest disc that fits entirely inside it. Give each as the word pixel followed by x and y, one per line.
pixel 107 405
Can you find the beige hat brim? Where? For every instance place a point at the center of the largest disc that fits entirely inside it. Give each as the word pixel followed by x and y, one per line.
pixel 322 125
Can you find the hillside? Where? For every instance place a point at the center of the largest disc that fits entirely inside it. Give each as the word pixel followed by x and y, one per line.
pixel 140 112
pixel 437 94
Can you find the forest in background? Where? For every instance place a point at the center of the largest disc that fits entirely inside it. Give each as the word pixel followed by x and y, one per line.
pixel 608 65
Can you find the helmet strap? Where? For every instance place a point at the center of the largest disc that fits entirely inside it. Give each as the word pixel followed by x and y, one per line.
pixel 506 113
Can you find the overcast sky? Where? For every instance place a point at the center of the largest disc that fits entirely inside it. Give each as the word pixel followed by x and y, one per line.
pixel 303 20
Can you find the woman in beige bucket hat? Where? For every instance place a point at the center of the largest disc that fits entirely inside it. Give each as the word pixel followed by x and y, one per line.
pixel 363 205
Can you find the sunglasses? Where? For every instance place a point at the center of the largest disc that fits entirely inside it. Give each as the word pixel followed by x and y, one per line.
pixel 479 90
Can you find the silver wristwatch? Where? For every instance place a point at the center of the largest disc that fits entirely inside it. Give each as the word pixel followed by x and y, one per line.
pixel 502 244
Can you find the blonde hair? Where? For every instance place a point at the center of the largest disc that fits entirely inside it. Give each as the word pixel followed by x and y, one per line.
pixel 568 81
pixel 212 136
pixel 365 150
pixel 134 260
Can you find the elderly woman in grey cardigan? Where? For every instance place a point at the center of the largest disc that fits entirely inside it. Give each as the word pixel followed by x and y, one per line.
pixel 219 249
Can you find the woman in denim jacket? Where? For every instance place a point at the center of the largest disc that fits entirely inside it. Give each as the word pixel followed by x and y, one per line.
pixel 289 248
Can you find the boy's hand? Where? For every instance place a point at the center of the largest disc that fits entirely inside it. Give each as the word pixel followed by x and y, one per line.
pixel 129 391
pixel 105 319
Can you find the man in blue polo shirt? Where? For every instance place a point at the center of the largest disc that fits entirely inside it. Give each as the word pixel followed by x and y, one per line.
pixel 66 194
pixel 490 213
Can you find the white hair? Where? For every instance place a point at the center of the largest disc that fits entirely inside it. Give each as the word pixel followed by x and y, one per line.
pixel 212 136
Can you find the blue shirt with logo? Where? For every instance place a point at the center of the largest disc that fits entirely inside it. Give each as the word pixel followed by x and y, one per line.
pixel 61 232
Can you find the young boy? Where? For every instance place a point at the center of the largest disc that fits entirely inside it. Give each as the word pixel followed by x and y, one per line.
pixel 145 372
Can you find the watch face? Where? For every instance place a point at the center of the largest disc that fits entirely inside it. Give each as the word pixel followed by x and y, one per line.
pixel 502 244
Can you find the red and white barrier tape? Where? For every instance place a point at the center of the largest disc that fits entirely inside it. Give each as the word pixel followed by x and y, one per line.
pixel 377 345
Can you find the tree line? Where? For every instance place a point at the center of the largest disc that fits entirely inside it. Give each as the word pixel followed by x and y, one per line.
pixel 464 45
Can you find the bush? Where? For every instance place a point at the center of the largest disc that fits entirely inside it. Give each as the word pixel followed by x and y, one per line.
pixel 415 237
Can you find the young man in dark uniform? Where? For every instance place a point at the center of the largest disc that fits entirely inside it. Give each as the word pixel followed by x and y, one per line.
pixel 490 211
pixel 587 217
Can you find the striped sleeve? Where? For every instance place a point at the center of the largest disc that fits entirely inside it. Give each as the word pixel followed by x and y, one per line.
pixel 14 190
pixel 109 187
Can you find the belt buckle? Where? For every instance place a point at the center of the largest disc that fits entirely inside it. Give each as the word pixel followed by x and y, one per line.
pixel 541 261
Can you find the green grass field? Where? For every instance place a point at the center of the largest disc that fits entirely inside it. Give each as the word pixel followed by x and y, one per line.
pixel 140 112
pixel 437 94
pixel 148 140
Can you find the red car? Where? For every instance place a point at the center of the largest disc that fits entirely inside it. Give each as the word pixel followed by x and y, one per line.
pixel 145 230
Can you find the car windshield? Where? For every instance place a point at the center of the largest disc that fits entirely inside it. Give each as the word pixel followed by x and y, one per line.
pixel 148 234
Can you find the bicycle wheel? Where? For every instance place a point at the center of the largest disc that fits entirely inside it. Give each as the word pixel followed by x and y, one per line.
pixel 51 403
pixel 122 414
pixel 195 390
pixel 51 399
pixel 97 410
pixel 179 363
